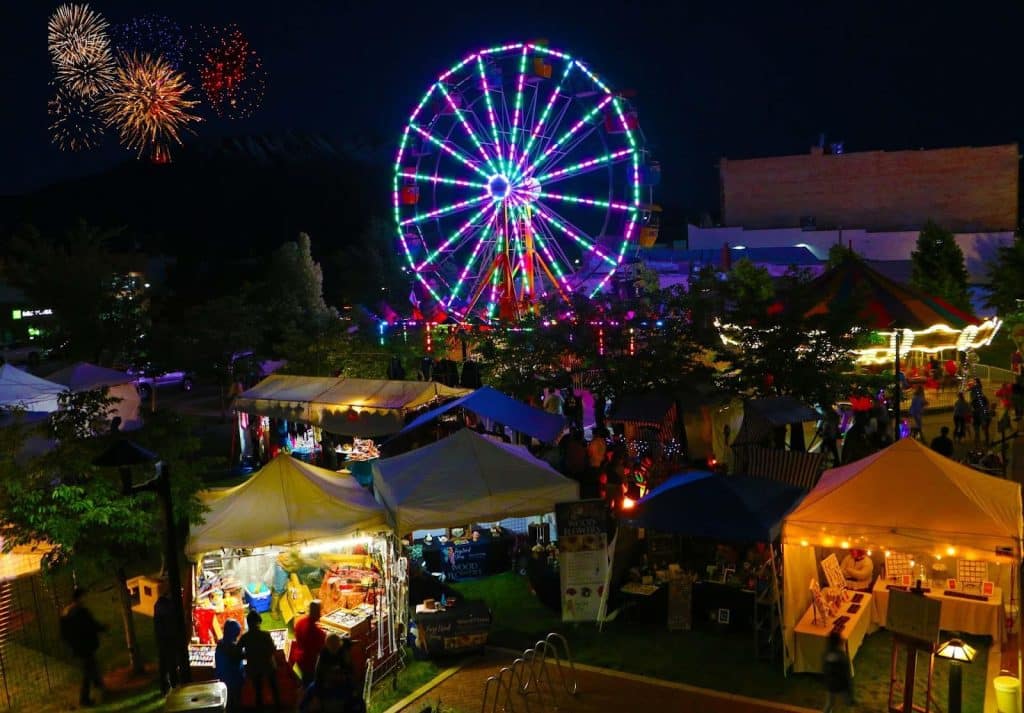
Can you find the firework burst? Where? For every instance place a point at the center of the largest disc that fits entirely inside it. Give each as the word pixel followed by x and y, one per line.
pixel 155 35
pixel 75 121
pixel 89 74
pixel 76 33
pixel 230 72
pixel 148 103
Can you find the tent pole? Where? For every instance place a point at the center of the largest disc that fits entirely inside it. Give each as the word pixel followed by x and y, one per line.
pixel 778 605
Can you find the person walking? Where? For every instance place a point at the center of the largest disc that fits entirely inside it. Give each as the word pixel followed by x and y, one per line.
pixel 961 411
pixel 553 401
pixel 309 641
pixel 917 405
pixel 333 686
pixel 166 634
pixel 227 663
pixel 981 417
pixel 259 651
pixel 942 443
pixel 830 434
pixel 81 632
pixel 835 665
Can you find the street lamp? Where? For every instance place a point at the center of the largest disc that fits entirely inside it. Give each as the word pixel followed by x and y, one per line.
pixel 123 455
pixel 958 652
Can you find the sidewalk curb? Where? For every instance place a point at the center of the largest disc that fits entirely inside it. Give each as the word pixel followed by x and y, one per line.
pixel 426 688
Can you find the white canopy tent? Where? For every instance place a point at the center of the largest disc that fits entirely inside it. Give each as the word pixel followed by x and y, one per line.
pixel 467 478
pixel 86 377
pixel 284 503
pixel 19 389
pixel 351 407
pixel 905 498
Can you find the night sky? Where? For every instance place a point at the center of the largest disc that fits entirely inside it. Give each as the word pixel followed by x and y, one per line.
pixel 713 79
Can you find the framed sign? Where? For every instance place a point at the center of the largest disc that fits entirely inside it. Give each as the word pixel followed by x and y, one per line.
pixel 988 588
pixel 906 580
pixel 914 616
pixel 951 585
pixel 897 564
pixel 723 616
pixel 971 573
pixel 833 572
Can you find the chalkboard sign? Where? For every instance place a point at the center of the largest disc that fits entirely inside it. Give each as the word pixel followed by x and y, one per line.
pixel 680 604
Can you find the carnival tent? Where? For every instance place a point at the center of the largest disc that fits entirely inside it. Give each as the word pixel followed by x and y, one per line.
pixel 467 478
pixel 86 377
pixel 350 407
pixel 905 498
pixel 19 389
pixel 492 404
pixel 701 504
pixel 285 502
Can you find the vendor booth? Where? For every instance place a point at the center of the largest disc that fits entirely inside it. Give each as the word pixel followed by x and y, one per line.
pixel 771 442
pixel 87 377
pixel 729 588
pixel 492 405
pixel 451 498
pixel 329 420
pixel 902 516
pixel 290 534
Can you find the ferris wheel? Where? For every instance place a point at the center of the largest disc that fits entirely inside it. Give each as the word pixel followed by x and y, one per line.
pixel 520 175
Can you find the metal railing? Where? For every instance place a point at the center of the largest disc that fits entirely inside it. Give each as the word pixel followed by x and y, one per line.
pixel 992 375
pixel 530 677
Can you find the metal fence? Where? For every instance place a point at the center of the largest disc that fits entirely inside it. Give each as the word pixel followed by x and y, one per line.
pixel 30 673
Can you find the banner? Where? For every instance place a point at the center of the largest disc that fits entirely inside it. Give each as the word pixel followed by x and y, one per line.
pixel 583 558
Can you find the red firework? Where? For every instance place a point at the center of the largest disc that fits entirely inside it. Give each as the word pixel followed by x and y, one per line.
pixel 231 74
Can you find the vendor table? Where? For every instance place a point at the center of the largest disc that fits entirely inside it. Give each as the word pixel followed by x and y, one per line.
pixel 646 603
pixel 459 628
pixel 971 616
pixel 712 599
pixel 488 555
pixel 812 639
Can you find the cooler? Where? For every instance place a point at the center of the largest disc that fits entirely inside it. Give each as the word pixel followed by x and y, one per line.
pixel 209 697
pixel 1007 694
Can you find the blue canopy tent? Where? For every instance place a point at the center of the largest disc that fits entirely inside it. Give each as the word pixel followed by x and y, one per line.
pixel 735 508
pixel 491 403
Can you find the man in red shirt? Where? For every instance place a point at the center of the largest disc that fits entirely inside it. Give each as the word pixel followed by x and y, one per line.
pixel 309 640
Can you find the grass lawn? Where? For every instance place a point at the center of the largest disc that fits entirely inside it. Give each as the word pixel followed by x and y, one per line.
pixel 708 659
pixel 415 674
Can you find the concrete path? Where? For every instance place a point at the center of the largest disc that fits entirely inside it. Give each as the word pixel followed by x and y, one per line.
pixel 600 691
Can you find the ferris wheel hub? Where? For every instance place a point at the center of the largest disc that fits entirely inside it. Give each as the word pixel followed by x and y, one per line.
pixel 498 186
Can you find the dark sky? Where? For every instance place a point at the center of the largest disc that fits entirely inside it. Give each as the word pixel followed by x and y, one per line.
pixel 724 78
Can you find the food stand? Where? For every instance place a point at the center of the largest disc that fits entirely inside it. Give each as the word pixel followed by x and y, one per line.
pixel 300 414
pixel 928 519
pixel 325 539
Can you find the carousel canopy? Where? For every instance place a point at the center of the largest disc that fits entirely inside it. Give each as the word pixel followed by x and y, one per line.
pixel 285 502
pixel 467 478
pixel 887 302
pixel 350 407
pixel 19 389
pixel 910 499
pixel 491 403
pixel 734 508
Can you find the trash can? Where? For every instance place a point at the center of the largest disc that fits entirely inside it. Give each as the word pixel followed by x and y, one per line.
pixel 208 697
pixel 1007 694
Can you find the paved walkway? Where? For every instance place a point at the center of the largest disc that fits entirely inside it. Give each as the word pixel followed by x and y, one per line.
pixel 600 691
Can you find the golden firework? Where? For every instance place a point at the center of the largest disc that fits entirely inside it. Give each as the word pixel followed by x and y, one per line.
pixel 75 122
pixel 148 104
pixel 76 34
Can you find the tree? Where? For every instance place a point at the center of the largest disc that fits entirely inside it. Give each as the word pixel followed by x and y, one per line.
pixel 1006 283
pixel 370 269
pixel 74 275
pixel 63 499
pixel 938 266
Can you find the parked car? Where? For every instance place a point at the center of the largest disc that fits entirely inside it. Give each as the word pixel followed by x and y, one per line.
pixel 147 378
pixel 22 352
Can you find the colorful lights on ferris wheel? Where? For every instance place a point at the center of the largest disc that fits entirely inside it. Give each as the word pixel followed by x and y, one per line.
pixel 489 136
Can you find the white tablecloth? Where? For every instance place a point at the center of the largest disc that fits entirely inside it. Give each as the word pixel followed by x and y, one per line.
pixel 967 615
pixel 811 638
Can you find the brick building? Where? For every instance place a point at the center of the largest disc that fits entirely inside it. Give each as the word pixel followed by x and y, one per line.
pixel 961 189
pixel 874 201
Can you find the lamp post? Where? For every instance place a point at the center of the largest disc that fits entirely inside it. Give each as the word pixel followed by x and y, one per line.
pixel 899 396
pixel 957 652
pixel 123 455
